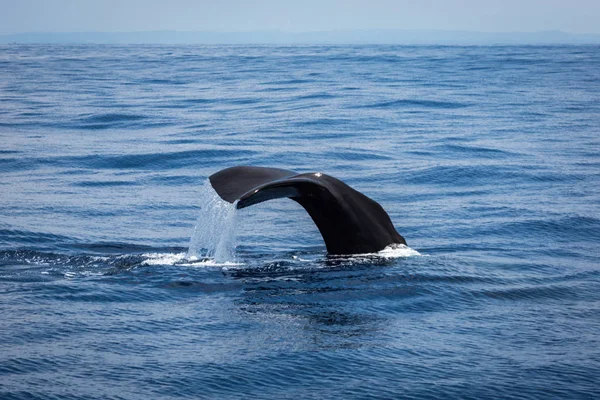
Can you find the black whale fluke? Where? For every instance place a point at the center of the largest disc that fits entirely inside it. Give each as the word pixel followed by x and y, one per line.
pixel 349 221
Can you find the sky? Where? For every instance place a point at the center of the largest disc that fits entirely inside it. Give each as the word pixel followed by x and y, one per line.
pixel 575 16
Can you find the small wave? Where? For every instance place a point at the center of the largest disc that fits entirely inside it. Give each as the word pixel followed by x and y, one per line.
pixel 356 155
pixel 105 183
pixel 527 292
pixel 323 122
pixel 288 82
pixel 563 229
pixel 13 236
pixel 111 117
pixel 464 175
pixel 197 100
pixel 112 120
pixel 316 96
pixel 407 103
pixel 26 264
pixel 459 151
pixel 165 160
pixel 242 101
pixel 157 81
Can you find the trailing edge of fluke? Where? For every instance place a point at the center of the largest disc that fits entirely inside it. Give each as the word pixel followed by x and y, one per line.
pixel 349 221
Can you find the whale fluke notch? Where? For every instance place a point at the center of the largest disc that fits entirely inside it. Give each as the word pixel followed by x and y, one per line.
pixel 349 221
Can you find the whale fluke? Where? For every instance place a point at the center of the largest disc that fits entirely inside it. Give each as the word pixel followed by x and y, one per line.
pixel 349 221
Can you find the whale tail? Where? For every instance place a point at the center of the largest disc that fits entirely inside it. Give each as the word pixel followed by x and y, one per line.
pixel 349 221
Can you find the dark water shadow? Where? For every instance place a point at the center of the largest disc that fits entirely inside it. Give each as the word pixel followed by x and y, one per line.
pixel 320 302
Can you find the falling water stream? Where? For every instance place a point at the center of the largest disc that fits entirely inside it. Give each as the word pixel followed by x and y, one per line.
pixel 214 233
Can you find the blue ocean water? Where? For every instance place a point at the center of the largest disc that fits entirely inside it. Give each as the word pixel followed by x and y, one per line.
pixel 487 159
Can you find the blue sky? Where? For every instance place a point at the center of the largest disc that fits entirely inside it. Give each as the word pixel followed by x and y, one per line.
pixel 577 16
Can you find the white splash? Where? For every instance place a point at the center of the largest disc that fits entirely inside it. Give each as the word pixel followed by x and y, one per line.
pixel 397 250
pixel 214 234
pixel 394 250
pixel 163 258
pixel 183 260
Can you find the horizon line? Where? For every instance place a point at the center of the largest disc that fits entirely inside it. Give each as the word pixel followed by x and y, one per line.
pixel 278 36
pixel 311 31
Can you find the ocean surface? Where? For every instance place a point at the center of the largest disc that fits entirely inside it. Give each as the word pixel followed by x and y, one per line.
pixel 123 277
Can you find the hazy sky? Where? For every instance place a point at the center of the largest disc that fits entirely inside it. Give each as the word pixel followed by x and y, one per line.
pixel 578 16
